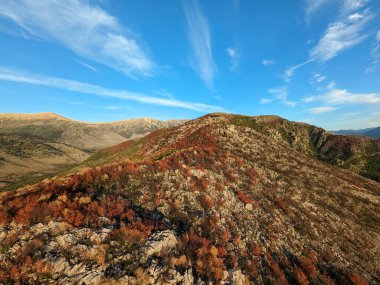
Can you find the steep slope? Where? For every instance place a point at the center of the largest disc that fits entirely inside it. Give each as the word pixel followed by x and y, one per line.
pixel 26 158
pixel 86 136
pixel 213 200
pixel 358 154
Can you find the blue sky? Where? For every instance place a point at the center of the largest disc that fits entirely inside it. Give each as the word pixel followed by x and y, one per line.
pixel 316 61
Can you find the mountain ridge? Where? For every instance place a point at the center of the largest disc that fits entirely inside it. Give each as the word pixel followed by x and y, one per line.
pixel 84 135
pixel 220 199
pixel 42 129
pixel 369 132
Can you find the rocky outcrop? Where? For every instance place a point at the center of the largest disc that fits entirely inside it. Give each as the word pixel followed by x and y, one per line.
pixel 159 242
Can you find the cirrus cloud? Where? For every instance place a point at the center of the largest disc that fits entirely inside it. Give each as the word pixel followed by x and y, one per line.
pixel 200 41
pixel 321 110
pixel 91 89
pixel 85 29
pixel 341 35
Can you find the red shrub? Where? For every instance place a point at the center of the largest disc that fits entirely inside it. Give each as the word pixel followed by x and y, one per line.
pixel 358 280
pixel 308 266
pixel 208 202
pixel 244 197
pixel 300 276
pixel 256 249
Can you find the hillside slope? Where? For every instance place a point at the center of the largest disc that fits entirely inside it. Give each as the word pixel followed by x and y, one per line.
pixel 26 158
pixel 82 135
pixel 36 134
pixel 213 200
pixel 358 154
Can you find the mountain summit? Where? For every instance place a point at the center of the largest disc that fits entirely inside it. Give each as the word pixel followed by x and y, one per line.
pixel 223 199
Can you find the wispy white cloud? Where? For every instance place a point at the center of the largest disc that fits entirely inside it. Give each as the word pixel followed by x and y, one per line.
pixel 312 6
pixel 344 33
pixel 267 62
pixel 317 78
pixel 355 17
pixel 200 41
pixel 309 99
pixel 341 35
pixel 289 72
pixel 86 88
pixel 342 96
pixel 86 29
pixel 113 108
pixel 164 93
pixel 265 101
pixel 234 56
pixel 331 85
pixel 281 94
pixel 351 114
pixel 350 6
pixel 376 48
pixel 89 66
pixel 335 96
pixel 321 110
pixel 344 6
pixel 375 54
pixel 360 121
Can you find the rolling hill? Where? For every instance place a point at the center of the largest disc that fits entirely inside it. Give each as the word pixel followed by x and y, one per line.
pixel 358 154
pixel 223 199
pixel 86 136
pixel 35 145
pixel 27 158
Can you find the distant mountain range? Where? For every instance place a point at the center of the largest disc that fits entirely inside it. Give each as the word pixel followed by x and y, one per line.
pixel 86 136
pixel 369 132
pixel 222 199
pixel 35 145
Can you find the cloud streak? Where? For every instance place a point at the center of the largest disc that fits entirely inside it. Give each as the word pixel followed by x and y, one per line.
pixel 375 53
pixel 280 94
pixel 234 56
pixel 335 96
pixel 290 71
pixel 88 66
pixel 312 6
pixel 341 35
pixel 200 40
pixel 268 62
pixel 86 29
pixel 344 33
pixel 342 96
pixel 317 78
pixel 321 110
pixel 86 88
